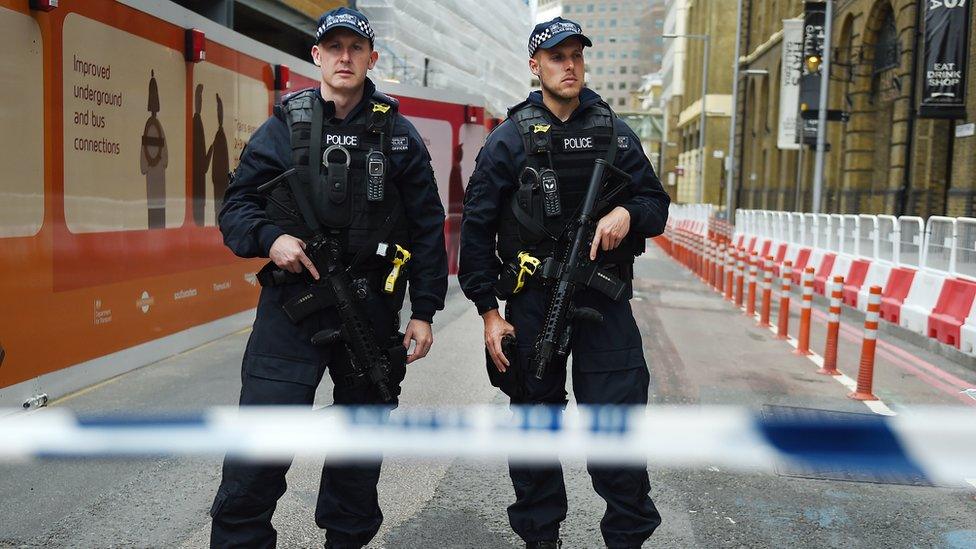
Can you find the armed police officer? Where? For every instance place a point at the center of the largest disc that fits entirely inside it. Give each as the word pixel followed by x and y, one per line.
pixel 336 188
pixel 525 206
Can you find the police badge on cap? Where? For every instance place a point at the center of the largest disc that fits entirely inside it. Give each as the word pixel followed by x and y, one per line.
pixel 548 34
pixel 346 18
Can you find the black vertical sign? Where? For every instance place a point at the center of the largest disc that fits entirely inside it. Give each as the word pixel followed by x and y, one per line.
pixel 945 52
pixel 814 16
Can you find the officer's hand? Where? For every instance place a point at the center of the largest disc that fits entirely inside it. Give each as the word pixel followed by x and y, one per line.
pixel 610 231
pixel 288 253
pixel 420 332
pixel 496 328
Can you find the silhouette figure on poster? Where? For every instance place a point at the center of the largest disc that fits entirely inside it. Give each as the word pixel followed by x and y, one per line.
pixel 153 159
pixel 219 158
pixel 201 160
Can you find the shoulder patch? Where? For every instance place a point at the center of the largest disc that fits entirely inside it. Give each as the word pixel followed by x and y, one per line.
pixel 623 142
pixel 399 143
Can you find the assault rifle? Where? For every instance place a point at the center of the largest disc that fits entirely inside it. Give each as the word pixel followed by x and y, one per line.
pixel 356 329
pixel 571 270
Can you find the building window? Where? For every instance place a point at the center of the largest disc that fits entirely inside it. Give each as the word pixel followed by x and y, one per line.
pixel 887 52
pixel 613 23
pixel 589 8
pixel 621 101
pixel 623 70
pixel 609 85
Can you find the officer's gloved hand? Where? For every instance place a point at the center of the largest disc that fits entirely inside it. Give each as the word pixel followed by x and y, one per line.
pixel 496 328
pixel 288 253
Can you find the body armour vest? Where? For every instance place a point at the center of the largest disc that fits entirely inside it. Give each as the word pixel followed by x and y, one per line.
pixel 345 174
pixel 570 150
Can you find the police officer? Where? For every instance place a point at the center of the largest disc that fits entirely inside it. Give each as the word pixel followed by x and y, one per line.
pixel 528 182
pixel 366 175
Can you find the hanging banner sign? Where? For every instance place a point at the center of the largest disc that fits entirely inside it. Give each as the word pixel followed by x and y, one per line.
pixel 945 51
pixel 789 92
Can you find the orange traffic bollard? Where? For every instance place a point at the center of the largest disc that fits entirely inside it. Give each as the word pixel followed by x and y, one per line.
pixel 706 261
pixel 753 269
pixel 833 328
pixel 783 329
pixel 729 271
pixel 865 374
pixel 767 293
pixel 720 269
pixel 806 309
pixel 740 278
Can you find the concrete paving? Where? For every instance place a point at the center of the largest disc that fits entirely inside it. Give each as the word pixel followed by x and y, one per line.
pixel 700 350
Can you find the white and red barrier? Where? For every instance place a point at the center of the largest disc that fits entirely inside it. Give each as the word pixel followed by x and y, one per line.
pixel 926 269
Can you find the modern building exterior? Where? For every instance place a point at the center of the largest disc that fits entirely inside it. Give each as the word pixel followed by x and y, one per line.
pixel 886 158
pixel 469 46
pixel 626 42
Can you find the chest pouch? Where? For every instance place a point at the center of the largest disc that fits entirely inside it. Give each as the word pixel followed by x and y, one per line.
pixel 337 173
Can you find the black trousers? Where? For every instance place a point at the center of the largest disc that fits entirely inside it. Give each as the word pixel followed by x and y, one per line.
pixel 608 368
pixel 282 368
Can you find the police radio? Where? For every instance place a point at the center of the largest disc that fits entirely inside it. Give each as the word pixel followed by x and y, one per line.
pixel 375 175
pixel 550 193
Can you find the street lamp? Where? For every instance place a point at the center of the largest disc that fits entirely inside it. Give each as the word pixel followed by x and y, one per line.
pixel 701 122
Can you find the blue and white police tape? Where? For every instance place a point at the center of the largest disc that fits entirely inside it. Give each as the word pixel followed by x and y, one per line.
pixel 937 444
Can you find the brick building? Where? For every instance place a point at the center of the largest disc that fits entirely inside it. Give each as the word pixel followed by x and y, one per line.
pixel 885 159
pixel 711 18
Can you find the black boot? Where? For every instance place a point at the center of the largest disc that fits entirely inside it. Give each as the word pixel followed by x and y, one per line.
pixel 549 544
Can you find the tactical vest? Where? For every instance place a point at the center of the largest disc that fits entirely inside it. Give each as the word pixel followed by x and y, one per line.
pixel 571 150
pixel 333 169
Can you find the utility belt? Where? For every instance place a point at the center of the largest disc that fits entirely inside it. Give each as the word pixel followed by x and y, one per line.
pixel 524 271
pixel 377 281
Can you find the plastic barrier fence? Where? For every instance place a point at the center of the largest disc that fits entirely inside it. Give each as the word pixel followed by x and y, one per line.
pixel 925 268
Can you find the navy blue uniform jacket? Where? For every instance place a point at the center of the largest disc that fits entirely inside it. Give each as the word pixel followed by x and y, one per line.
pixel 495 179
pixel 248 231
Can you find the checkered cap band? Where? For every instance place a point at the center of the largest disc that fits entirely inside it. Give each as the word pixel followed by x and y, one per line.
pixel 345 20
pixel 545 34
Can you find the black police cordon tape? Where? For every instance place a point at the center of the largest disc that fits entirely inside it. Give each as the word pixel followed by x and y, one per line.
pixel 938 444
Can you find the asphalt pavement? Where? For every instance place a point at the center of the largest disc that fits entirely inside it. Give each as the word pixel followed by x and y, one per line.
pixel 700 350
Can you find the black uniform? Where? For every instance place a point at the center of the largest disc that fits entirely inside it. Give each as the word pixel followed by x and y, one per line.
pixel 608 360
pixel 281 366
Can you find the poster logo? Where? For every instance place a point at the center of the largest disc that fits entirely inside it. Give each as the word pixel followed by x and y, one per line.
pixel 145 301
